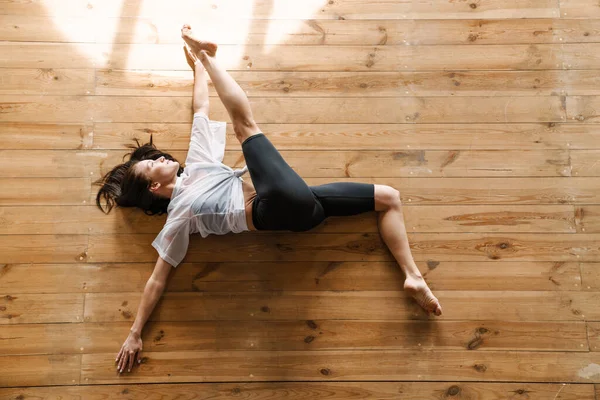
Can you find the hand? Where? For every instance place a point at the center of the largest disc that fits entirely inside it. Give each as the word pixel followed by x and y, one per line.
pixel 191 58
pixel 130 351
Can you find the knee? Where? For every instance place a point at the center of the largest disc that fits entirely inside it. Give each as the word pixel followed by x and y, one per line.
pixel 202 107
pixel 386 197
pixel 244 128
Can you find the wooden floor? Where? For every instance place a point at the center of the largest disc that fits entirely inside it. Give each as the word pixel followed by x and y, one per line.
pixel 483 113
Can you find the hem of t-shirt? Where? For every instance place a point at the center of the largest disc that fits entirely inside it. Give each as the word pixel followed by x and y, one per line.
pixel 200 114
pixel 165 257
pixel 226 213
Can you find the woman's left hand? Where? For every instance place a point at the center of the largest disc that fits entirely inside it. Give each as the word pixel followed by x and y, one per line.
pixel 127 356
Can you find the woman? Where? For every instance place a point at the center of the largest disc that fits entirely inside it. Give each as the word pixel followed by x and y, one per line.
pixel 208 197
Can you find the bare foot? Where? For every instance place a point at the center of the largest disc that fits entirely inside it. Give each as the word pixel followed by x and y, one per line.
pixel 418 289
pixel 195 44
pixel 191 58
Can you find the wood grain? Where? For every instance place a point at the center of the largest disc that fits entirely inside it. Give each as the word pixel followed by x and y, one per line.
pixel 248 276
pixel 334 390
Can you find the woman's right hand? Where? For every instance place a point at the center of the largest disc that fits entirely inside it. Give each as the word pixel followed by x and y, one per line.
pixel 130 352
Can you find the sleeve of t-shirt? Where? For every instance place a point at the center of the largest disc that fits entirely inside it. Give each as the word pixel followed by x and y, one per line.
pixel 173 240
pixel 207 142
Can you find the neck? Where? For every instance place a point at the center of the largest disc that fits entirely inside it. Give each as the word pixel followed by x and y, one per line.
pixel 166 191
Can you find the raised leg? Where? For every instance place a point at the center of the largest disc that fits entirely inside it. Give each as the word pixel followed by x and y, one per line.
pixel 200 96
pixel 231 94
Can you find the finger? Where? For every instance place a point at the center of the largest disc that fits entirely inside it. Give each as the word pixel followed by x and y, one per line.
pixel 131 358
pixel 119 359
pixel 119 355
pixel 123 361
pixel 139 356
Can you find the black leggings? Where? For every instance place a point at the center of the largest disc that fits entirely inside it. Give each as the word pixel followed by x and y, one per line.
pixel 285 202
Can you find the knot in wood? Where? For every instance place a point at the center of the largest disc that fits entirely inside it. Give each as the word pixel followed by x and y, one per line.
pixel 453 390
pixel 480 367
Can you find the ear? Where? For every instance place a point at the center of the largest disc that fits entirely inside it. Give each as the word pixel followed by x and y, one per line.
pixel 154 186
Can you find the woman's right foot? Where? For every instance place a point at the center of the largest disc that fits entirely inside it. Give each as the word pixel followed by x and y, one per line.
pixel 417 288
pixel 195 44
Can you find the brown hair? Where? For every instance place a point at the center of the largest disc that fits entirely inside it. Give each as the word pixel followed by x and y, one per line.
pixel 125 187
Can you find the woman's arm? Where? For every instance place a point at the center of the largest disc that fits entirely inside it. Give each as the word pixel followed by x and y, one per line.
pixel 152 293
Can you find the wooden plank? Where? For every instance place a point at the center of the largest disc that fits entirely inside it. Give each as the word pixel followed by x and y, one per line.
pixel 583 108
pixel 90 338
pixel 342 9
pixel 43 28
pixel 322 58
pixel 584 163
pixel 332 390
pixel 590 276
pixel 463 191
pixel 593 333
pixel 166 30
pixel 328 164
pixel 345 365
pixel 39 370
pixel 48 220
pixel 295 276
pixel 489 219
pixel 358 305
pixel 587 218
pixel 579 9
pixel 350 84
pixel 454 163
pixel 287 110
pixel 524 219
pixel 28 136
pixel 42 248
pixel 46 7
pixel 47 81
pixel 304 58
pixel 40 308
pixel 514 275
pixel 50 55
pixel 176 136
pixel 40 191
pixel 53 163
pixel 284 246
pixel 576 56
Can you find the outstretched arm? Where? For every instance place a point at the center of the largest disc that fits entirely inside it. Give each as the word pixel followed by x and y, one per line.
pixel 132 348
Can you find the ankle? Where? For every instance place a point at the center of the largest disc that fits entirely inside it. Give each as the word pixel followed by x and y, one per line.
pixel 414 276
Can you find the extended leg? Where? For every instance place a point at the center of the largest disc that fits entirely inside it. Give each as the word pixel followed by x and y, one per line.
pixel 393 233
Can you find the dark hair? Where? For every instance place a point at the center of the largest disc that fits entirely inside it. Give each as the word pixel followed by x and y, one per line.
pixel 125 187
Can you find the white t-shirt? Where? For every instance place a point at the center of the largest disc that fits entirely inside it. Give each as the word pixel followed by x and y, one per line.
pixel 207 198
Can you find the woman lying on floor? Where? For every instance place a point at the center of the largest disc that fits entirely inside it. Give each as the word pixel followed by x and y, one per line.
pixel 208 197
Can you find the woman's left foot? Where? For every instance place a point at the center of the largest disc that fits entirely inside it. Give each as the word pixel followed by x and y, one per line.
pixel 195 44
pixel 418 289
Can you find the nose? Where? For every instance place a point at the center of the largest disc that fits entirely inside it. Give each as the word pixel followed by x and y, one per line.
pixel 162 159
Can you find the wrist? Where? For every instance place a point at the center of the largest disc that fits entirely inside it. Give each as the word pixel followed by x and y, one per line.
pixel 135 333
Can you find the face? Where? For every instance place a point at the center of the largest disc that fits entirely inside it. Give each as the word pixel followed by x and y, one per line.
pixel 160 171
